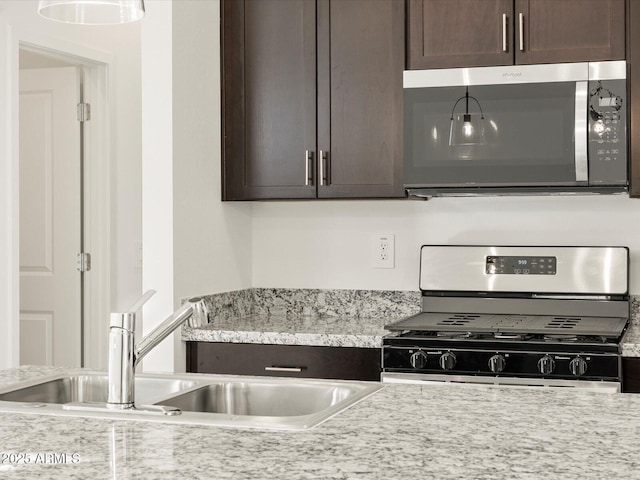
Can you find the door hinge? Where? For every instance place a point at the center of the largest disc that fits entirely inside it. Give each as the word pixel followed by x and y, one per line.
pixel 84 112
pixel 83 262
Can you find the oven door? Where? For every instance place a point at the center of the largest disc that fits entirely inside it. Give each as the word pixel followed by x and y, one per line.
pixel 434 379
pixel 497 127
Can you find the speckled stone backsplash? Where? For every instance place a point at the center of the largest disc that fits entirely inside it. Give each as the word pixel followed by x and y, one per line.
pixel 227 305
pixel 312 302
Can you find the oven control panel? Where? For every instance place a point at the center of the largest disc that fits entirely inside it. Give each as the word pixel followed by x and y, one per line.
pixel 512 265
pixel 540 364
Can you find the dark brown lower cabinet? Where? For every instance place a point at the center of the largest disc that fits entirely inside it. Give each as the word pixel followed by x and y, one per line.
pixel 345 363
pixel 631 375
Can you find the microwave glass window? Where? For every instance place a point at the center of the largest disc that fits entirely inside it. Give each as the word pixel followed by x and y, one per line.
pixel 496 134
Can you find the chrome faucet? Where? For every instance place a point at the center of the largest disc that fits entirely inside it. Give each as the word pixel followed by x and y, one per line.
pixel 125 354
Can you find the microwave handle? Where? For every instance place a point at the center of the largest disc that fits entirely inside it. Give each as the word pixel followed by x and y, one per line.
pixel 581 151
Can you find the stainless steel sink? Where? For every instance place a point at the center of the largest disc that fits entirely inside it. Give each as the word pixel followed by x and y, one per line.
pixel 218 400
pixel 91 388
pixel 262 398
pixel 270 403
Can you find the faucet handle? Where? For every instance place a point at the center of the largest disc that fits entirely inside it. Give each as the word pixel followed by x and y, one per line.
pixel 141 301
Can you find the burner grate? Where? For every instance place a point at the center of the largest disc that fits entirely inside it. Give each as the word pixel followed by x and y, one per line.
pixel 458 320
pixel 564 322
pixel 512 324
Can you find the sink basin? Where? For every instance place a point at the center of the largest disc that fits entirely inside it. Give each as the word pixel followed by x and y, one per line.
pixel 218 400
pixel 275 403
pixel 91 388
pixel 261 398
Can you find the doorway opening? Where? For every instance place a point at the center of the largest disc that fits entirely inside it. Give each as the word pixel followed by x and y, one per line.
pixel 63 210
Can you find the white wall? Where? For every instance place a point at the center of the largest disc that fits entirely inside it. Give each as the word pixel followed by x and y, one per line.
pixel 157 176
pixel 193 244
pixel 327 244
pixel 120 47
pixel 212 245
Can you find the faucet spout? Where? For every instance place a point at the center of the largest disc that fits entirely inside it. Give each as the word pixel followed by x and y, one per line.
pixel 125 354
pixel 192 311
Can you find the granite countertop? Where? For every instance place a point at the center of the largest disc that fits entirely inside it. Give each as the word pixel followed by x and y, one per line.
pixel 326 331
pixel 402 431
pixel 346 330
pixel 342 318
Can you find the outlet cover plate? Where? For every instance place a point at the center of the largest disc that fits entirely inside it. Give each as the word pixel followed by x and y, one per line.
pixel 383 251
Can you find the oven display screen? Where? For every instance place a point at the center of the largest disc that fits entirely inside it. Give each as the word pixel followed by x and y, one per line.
pixel 498 265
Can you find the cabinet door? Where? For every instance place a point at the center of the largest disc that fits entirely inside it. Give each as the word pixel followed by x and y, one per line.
pixel 459 33
pixel 360 64
pixel 552 31
pixel 269 98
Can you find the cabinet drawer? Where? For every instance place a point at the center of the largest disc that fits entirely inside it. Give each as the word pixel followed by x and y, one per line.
pixel 346 363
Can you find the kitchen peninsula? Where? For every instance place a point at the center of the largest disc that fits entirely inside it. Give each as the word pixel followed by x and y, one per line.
pixel 444 432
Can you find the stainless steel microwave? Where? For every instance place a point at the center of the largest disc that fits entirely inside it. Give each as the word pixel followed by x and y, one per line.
pixel 530 129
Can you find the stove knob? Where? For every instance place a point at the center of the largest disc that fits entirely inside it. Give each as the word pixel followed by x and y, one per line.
pixel 418 359
pixel 546 365
pixel 497 363
pixel 447 361
pixel 578 366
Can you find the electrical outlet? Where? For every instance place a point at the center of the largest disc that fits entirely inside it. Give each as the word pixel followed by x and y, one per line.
pixel 383 251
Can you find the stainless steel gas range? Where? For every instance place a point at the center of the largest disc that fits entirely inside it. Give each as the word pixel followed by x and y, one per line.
pixel 528 316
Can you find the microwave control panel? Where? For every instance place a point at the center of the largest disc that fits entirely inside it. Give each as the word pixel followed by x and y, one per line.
pixel 607 132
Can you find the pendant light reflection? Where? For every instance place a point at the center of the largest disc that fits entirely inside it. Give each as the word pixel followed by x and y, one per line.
pixel 92 12
pixel 467 128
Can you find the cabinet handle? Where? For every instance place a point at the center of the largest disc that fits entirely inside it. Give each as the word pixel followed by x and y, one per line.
pixel 521 23
pixel 324 167
pixel 504 32
pixel 283 369
pixel 308 168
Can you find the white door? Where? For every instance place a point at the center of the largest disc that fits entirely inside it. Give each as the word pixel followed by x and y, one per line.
pixel 50 226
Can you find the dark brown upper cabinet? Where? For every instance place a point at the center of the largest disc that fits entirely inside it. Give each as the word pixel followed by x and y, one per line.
pixel 269 97
pixel 469 33
pixel 312 98
pixel 459 33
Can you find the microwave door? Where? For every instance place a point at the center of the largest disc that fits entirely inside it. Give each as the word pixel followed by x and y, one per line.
pixel 522 135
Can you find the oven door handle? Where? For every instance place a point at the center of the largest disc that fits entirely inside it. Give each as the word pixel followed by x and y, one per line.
pixel 580 134
pixel 500 381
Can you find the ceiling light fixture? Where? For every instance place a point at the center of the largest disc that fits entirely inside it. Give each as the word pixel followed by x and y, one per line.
pixel 92 12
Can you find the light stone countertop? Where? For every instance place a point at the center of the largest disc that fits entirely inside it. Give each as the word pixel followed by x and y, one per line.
pixel 325 331
pixel 342 318
pixel 403 431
